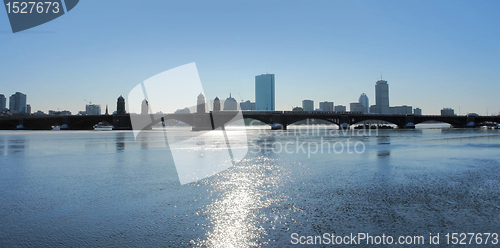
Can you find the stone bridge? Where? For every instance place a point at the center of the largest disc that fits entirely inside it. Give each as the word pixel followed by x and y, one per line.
pixel 214 120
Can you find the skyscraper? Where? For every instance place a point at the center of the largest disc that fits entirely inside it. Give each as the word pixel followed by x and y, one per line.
pixel 308 105
pixel 230 103
pixel 17 103
pixel 200 104
pixel 216 104
pixel 144 107
pixel 264 92
pixel 120 106
pixel 381 98
pixel 363 100
pixel 3 103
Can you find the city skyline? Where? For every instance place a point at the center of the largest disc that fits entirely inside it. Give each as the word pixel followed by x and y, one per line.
pixel 435 54
pixel 263 81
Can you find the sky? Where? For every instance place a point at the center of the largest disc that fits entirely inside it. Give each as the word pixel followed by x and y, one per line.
pixel 434 54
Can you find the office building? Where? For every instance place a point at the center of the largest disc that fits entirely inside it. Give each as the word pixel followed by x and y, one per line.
pixel 340 108
pixel 3 103
pixel 17 103
pixel 308 105
pixel 200 104
pixel 447 112
pixel 230 103
pixel 356 107
pixel 401 110
pixel 363 100
pixel 216 104
pixel 417 111
pixel 28 109
pixel 247 105
pixel 264 92
pixel 381 98
pixel 144 107
pixel 326 106
pixel 93 109
pixel 120 106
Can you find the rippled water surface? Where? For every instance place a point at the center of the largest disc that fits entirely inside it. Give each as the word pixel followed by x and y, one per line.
pixel 67 189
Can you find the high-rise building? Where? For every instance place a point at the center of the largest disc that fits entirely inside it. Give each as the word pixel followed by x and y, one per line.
pixel 340 108
pixel 144 107
pixel 230 103
pixel 216 104
pixel 417 111
pixel 308 105
pixel 264 92
pixel 17 103
pixel 200 104
pixel 3 103
pixel 120 106
pixel 28 109
pixel 93 109
pixel 356 107
pixel 247 105
pixel 381 98
pixel 326 106
pixel 363 100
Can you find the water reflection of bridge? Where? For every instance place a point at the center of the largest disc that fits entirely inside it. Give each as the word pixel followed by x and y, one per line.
pixel 214 120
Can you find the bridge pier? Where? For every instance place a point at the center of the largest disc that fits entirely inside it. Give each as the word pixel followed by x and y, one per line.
pixel 122 122
pixel 345 122
pixel 65 123
pixel 202 122
pixel 471 122
pixel 20 126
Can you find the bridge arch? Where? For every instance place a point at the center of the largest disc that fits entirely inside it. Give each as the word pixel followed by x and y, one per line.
pixel 374 122
pixel 249 121
pixel 442 119
pixel 315 121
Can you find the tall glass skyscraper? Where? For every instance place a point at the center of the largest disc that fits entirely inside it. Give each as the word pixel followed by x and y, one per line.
pixel 264 92
pixel 382 96
pixel 17 103
pixel 3 103
pixel 363 100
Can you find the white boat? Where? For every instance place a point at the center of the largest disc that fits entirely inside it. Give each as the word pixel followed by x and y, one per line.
pixel 495 126
pixel 103 127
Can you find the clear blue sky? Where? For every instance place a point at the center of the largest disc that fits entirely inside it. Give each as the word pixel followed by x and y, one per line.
pixel 434 54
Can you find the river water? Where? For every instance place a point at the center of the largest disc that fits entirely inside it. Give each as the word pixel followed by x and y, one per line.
pixel 79 188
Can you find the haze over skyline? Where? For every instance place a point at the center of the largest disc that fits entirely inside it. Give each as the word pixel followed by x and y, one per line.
pixel 433 54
